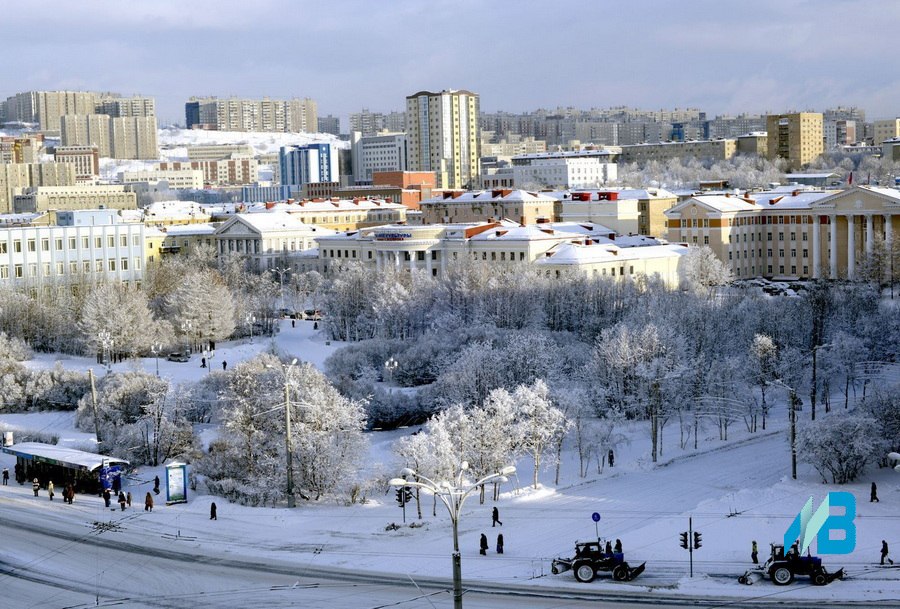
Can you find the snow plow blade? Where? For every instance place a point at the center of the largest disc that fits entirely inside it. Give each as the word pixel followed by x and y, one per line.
pixel 632 573
pixel 751 576
pixel 839 574
pixel 560 566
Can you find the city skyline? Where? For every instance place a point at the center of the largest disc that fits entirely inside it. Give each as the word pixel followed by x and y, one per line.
pixel 768 57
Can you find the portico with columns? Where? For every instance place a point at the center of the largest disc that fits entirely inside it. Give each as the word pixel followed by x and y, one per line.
pixel 847 226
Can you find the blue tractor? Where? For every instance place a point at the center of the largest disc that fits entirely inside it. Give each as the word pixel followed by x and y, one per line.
pixel 782 567
pixel 591 558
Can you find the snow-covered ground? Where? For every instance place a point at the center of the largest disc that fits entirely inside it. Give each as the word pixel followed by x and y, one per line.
pixel 736 491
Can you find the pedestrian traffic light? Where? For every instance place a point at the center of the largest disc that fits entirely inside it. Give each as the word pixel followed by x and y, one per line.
pixel 684 540
pixel 697 540
pixel 401 496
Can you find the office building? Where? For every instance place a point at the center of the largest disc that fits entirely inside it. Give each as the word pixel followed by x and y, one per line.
pixel 377 153
pixel 309 163
pixel 85 159
pixel 46 198
pixel 443 136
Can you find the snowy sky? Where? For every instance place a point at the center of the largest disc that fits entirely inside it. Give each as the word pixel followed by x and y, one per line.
pixel 518 55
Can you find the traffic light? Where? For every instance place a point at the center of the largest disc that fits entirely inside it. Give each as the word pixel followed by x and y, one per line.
pixel 401 496
pixel 684 540
pixel 697 540
pixel 407 494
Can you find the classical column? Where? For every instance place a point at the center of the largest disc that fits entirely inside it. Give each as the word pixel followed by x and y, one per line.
pixel 870 233
pixel 397 261
pixel 412 261
pixel 428 264
pixel 832 257
pixel 817 247
pixel 851 246
pixel 888 230
pixel 379 260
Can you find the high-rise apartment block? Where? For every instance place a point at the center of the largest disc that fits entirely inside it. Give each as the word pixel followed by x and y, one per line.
pixel 443 136
pixel 233 114
pixel 309 163
pixel 886 130
pixel 121 137
pixel 47 107
pixel 15 177
pixel 797 137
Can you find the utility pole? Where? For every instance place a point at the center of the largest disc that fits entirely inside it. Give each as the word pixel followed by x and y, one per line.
pixel 94 404
pixel 289 444
pixel 793 398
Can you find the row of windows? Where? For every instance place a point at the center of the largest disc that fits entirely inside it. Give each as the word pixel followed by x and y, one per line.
pixel 769 267
pixel 59 269
pixel 58 242
pixel 737 255
pixel 753 236
pixel 420 255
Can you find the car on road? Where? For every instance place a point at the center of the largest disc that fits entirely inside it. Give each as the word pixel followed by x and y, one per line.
pixel 179 356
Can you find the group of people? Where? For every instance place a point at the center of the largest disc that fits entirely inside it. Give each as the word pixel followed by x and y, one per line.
pixel 483 544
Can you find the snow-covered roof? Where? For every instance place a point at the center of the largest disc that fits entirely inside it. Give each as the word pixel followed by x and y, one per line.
pixel 505 196
pixel 326 205
pixel 796 199
pixel 810 176
pixel 581 253
pixel 274 221
pixel 60 455
pixel 202 228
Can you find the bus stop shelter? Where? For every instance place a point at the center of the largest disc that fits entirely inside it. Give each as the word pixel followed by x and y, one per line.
pixel 88 472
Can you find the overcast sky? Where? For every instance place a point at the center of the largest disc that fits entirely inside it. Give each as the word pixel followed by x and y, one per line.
pixel 721 56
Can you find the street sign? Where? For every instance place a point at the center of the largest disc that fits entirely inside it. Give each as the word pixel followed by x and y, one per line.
pixel 595 516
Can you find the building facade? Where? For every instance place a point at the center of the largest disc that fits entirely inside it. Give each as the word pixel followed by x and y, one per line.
pixel 15 177
pixel 83 196
pixel 268 239
pixel 121 137
pixel 85 160
pixel 377 153
pixel 797 137
pixel 719 150
pixel 578 169
pixel 443 136
pixel 176 178
pixel 483 205
pixel 885 130
pixel 233 114
pixel 309 163
pixel 225 172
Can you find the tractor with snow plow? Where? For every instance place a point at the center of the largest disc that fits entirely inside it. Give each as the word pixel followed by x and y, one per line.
pixel 591 558
pixel 782 567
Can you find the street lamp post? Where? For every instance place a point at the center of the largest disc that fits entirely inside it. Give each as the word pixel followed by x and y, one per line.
pixel 250 319
pixel 156 349
pixel 794 401
pixel 281 270
pixel 209 354
pixel 186 327
pixel 453 495
pixel 391 365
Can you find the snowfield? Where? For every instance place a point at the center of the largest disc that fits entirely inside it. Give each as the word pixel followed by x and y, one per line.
pixel 735 491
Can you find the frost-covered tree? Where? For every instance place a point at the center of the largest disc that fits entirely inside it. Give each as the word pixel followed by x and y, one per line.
pixel 539 422
pixel 840 445
pixel 201 308
pixel 762 365
pixel 124 314
pixel 701 270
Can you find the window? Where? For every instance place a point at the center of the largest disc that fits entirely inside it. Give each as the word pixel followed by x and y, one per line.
pixel 803 236
pixel 793 236
pixel 793 253
pixel 73 243
pixel 769 236
pixel 45 244
pixel 32 245
pixel 124 264
pixel 17 246
pixel 806 270
pixel 19 272
pixel 3 248
pixel 4 272
pixel 705 239
pixel 769 252
pixel 781 236
pixel 781 269
pixel 98 242
pixel 98 265
pixel 60 268
pixel 112 264
pixel 86 266
pixel 86 243
pixel 137 263
pixel 123 240
pixel 769 269
pixel 59 244
pixel 781 253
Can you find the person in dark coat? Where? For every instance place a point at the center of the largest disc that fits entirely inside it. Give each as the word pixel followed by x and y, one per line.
pixel 203 362
pixel 148 502
pixel 18 470
pixel 116 484
pixel 884 552
pixel 5 476
pixel 107 496
pixel 611 457
pixel 754 553
pixel 212 511
pixel 618 547
pixel 608 547
pixel 500 543
pixel 495 517
pixel 122 500
pixel 69 493
pixel 128 498
pixel 224 365
pixel 156 485
pixel 873 498
pixel 35 486
pixel 483 545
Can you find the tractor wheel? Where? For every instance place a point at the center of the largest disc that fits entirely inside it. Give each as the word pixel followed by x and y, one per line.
pixel 819 578
pixel 584 572
pixel 782 576
pixel 554 570
pixel 620 573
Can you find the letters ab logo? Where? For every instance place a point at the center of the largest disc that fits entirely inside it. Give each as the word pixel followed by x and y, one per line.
pixel 808 525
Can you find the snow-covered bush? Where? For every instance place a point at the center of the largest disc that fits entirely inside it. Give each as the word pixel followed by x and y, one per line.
pixel 13 348
pixel 840 445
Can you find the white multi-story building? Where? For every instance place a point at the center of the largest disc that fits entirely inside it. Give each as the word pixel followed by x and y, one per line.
pixel 268 239
pixel 443 136
pixel 100 250
pixel 309 163
pixel 578 169
pixel 176 178
pixel 381 152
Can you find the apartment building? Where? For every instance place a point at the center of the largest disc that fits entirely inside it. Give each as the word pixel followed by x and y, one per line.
pixel 85 160
pixel 885 130
pixel 42 257
pixel 443 136
pixel 45 198
pixel 234 114
pixel 481 205
pixel 176 178
pixel 218 152
pixel 15 177
pixel 21 149
pixel 796 137
pixel 47 107
pixel 575 169
pixel 309 163
pixel 719 150
pixel 628 211
pixel 225 172
pixel 125 137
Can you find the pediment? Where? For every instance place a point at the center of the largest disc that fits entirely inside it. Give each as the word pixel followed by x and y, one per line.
pixel 237 228
pixel 857 200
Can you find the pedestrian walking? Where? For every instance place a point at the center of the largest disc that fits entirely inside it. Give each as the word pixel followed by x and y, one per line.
pixel 156 485
pixel 148 502
pixel 122 500
pixel 884 552
pixel 873 498
pixel 107 497
pixel 315 325
pixel 618 546
pixel 293 323
pixel 483 545
pixel 212 511
pixel 224 365
pixel 754 554
pixel 611 457
pixel 500 543
pixel 5 476
pixel 50 489
pixel 18 470
pixel 116 484
pixel 495 517
pixel 35 486
pixel 69 493
pixel 203 362
pixel 128 499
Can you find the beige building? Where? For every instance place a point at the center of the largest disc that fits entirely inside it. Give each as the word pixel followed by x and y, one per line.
pixel 341 214
pixel 45 198
pixel 217 152
pixel 268 239
pixel 443 136
pixel 234 114
pixel 720 150
pixel 15 177
pixel 797 137
pixel 85 159
pixel 755 143
pixel 790 233
pixel 225 172
pixel 47 107
pixel 885 130
pixel 124 137
pixel 481 205
pixel 628 211
pixel 176 178
pixel 21 149
pixel 513 145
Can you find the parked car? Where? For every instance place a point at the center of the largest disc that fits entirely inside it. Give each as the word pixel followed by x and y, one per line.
pixel 179 356
pixel 312 314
